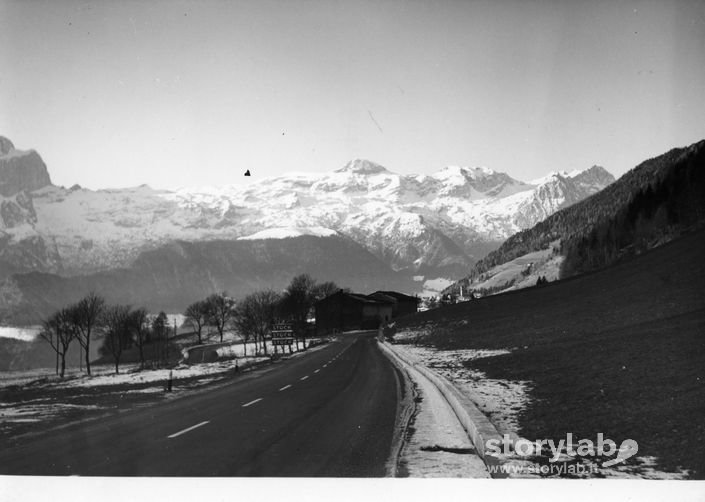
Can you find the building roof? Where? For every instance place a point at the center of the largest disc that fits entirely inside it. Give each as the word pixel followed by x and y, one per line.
pixel 398 296
pixel 356 297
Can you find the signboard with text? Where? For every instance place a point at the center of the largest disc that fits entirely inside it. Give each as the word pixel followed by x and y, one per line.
pixel 282 334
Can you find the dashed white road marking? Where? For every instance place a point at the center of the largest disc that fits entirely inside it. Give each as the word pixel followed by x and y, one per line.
pixel 317 371
pixel 251 402
pixel 285 387
pixel 188 429
pixel 304 378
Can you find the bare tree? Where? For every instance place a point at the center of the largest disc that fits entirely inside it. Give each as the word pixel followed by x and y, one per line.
pixel 197 316
pixel 220 309
pixel 116 323
pixel 59 331
pixel 255 315
pixel 296 303
pixel 85 316
pixel 324 290
pixel 139 325
pixel 160 330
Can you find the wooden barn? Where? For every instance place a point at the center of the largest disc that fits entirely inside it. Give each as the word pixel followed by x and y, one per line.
pixel 343 311
pixel 401 304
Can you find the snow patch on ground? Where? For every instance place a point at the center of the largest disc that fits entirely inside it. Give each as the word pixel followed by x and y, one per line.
pixel 27 412
pixel 502 400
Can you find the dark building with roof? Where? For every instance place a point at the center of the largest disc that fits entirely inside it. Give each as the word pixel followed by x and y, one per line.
pixel 343 311
pixel 401 304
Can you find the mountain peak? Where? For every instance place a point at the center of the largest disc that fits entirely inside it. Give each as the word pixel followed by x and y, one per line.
pixel 6 145
pixel 20 170
pixel 593 174
pixel 481 171
pixel 596 169
pixel 362 166
pixel 596 173
pixel 467 172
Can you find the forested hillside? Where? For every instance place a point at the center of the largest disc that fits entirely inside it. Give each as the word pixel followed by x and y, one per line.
pixel 670 205
pixel 675 176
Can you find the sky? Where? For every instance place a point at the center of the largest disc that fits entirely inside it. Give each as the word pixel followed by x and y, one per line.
pixel 185 93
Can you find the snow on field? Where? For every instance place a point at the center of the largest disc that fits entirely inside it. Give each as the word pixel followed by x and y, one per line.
pixel 501 401
pixel 30 412
pixel 132 375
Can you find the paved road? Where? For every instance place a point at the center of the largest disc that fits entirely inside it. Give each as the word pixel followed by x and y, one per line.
pixel 329 413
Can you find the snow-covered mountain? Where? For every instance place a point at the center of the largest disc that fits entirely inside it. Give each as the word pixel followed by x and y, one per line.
pixel 434 225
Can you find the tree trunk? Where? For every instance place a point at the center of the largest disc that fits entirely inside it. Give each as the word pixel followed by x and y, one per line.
pixel 63 364
pixel 141 354
pixel 117 370
pixel 88 354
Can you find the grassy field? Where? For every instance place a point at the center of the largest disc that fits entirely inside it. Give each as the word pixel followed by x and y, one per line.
pixel 620 351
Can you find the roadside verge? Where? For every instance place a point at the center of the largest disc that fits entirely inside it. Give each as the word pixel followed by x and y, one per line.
pixel 476 425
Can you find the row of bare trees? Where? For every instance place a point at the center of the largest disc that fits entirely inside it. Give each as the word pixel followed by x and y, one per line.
pixel 253 316
pixel 121 326
pixel 124 327
pixel 78 322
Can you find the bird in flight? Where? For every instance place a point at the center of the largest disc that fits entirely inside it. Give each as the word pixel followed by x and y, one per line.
pixel 247 173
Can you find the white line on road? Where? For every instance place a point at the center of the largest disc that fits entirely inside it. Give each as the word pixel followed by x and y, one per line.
pixel 304 378
pixel 252 402
pixel 317 371
pixel 285 387
pixel 187 430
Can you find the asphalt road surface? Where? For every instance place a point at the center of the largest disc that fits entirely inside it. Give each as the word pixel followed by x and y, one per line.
pixel 328 413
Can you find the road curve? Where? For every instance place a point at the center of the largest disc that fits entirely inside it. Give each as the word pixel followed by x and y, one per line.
pixel 329 413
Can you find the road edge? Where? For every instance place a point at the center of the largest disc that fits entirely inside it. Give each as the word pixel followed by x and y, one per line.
pixel 406 410
pixel 477 426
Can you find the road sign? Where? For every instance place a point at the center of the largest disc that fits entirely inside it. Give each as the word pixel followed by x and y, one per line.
pixel 282 334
